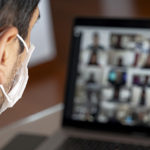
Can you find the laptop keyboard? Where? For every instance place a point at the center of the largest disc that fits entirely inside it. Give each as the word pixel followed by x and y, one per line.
pixel 86 144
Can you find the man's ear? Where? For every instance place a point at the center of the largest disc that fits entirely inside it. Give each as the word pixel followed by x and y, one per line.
pixel 7 36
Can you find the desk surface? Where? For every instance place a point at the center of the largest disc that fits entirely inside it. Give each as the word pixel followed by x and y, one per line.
pixel 45 123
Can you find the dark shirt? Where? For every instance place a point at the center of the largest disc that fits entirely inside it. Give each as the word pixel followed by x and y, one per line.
pixel 96 48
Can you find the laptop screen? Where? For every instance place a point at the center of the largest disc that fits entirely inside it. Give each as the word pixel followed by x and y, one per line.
pixel 112 83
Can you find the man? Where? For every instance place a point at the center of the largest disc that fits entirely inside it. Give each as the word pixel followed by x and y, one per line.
pixel 17 18
pixel 96 46
pixel 92 88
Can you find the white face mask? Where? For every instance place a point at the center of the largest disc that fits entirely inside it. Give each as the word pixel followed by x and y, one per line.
pixel 20 82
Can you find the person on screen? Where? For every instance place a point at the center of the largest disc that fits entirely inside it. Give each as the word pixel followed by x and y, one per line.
pixel 92 89
pixel 96 45
pixel 116 95
pixel 116 40
pixel 142 101
pixel 136 80
pixel 146 82
pixel 17 18
pixel 93 59
pixel 136 59
pixel 147 64
pixel 139 43
pixel 120 62
pixel 117 78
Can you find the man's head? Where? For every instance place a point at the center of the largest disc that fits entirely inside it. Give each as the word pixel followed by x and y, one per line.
pixel 96 39
pixel 16 17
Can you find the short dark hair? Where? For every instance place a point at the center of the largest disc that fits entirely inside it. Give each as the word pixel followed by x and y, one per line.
pixel 17 13
pixel 95 34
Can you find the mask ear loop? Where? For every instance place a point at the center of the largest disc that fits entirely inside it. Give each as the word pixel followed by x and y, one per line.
pixel 24 43
pixel 4 92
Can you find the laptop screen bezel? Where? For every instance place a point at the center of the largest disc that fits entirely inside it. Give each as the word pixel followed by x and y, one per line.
pixel 72 73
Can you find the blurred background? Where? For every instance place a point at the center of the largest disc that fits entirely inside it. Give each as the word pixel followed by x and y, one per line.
pixel 51 36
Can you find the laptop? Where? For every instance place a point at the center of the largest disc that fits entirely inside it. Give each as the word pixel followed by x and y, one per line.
pixel 107 102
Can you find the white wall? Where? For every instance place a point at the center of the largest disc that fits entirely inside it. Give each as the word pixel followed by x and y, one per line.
pixel 42 36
